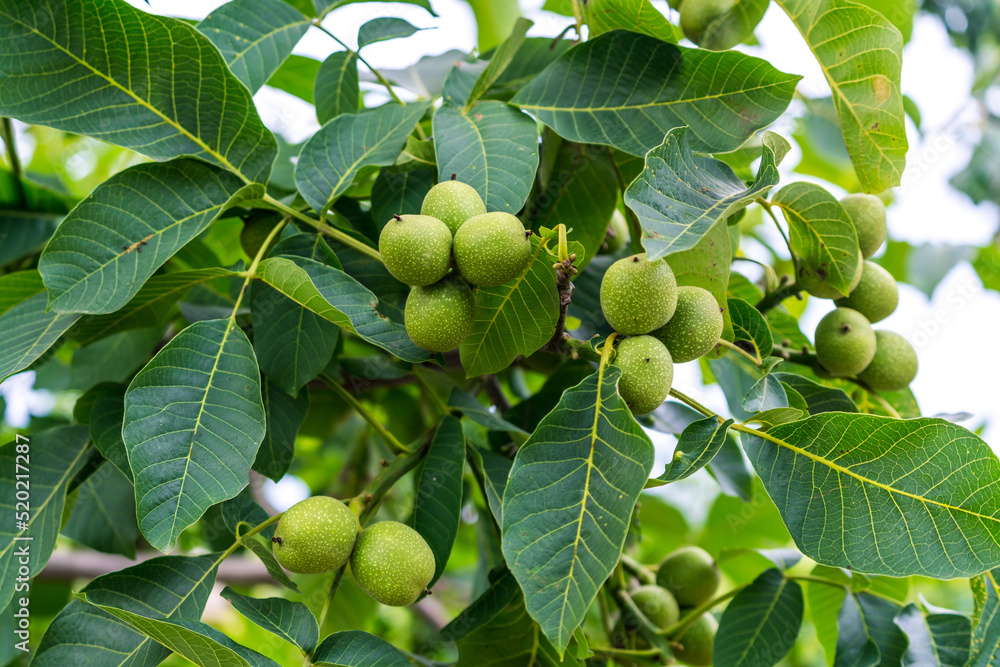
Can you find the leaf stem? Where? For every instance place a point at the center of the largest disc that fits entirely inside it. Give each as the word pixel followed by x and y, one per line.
pixel 690 402
pixel 390 440
pixel 366 503
pixel 328 602
pixel 7 130
pixel 578 18
pixel 684 623
pixel 755 360
pixel 766 205
pixel 772 299
pixel 580 349
pixel 250 533
pixel 638 570
pixel 332 232
pixel 650 655
pixel 252 270
pixel 378 75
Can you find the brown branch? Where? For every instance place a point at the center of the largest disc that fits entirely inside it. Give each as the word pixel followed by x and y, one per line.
pixel 72 565
pixel 491 385
pixel 564 277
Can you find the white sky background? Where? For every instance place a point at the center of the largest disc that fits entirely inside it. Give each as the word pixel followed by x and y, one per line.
pixel 953 331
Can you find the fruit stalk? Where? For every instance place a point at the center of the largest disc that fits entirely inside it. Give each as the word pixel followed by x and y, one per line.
pixel 772 299
pixel 388 438
pixel 332 232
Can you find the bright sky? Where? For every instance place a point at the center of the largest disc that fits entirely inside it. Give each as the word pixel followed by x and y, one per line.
pixel 956 374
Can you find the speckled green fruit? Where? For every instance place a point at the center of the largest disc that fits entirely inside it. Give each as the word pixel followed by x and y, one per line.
pixel 704 24
pixel 438 317
pixel 416 249
pixel 392 563
pixel 868 215
pixel 315 535
pixel 637 295
pixel 845 342
pixel 691 574
pixel 876 295
pixel 491 249
pixel 695 326
pixel 698 641
pixel 452 202
pixel 894 365
pixel 647 373
pixel 617 235
pixel 657 604
pixel 813 281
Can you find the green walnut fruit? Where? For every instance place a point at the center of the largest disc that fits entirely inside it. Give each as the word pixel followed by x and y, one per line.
pixel 698 642
pixel 707 24
pixel 452 202
pixel 814 281
pixel 867 212
pixel 691 574
pixel 647 373
pixel 617 235
pixel 894 365
pixel 845 342
pixel 637 295
pixel 492 248
pixel 392 563
pixel 416 249
pixel 438 317
pixel 315 535
pixel 695 326
pixel 876 295
pixel 657 604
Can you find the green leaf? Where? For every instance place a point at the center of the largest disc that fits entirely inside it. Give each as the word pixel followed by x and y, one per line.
pixel 437 508
pixel 627 90
pixel 164 587
pixel 149 308
pixel 116 238
pixel 500 60
pixel 284 416
pixel 861 54
pixel 581 193
pixel 151 83
pixel 733 26
pixel 18 287
pixel 495 469
pixel 636 15
pixel 986 633
pixel 761 624
pixel 470 407
pixel 28 216
pixel 750 327
pixel 817 397
pixel 51 458
pixel 297 76
pixel 511 637
pixel 193 423
pixel 767 394
pixel 113 359
pixel 707 265
pixel 104 513
pixel 820 233
pixel 825 602
pixel 492 147
pixel 484 609
pixel 774 416
pixel 935 639
pixel 336 88
pixel 384 28
pixel 29 330
pixel 697 445
pixel 678 196
pixel 856 491
pixel 534 55
pixel 516 318
pixel 878 615
pixel 339 298
pixel 571 490
pixel 400 193
pixel 255 36
pixel 292 621
pixel 332 157
pixel 106 429
pixel 198 642
pixel 354 648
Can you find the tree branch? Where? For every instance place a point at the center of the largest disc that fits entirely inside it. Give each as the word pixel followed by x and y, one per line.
pixel 564 282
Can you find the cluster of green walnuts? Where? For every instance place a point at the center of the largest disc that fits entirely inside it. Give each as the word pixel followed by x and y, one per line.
pixel 453 242
pixel 665 324
pixel 846 344
pixel 685 579
pixel 391 562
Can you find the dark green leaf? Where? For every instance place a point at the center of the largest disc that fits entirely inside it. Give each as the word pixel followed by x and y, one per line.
pixel 635 15
pixel 437 509
pixel 354 648
pixel 284 416
pixel 336 88
pixel 495 469
pixel 535 54
pixel 767 394
pixel 855 646
pixel 384 28
pixel 696 447
pixel 114 240
pixel 817 397
pixel 164 587
pixel 516 318
pixel 879 615
pixel 193 423
pixel 255 36
pixel 28 216
pixel 628 90
pixel 106 429
pixel 51 458
pixel 104 513
pixel 399 193
pixel 332 157
pixel 485 608
pixel 262 550
pixel 292 621
pixel 151 83
pixel 678 196
pixel 934 639
pixel 29 329
pixel 750 326
pixel 112 359
pixel 492 147
pixel 241 513
pixel 572 487
pixel 986 632
pixel 479 413
pixel 761 624
pixel 855 491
